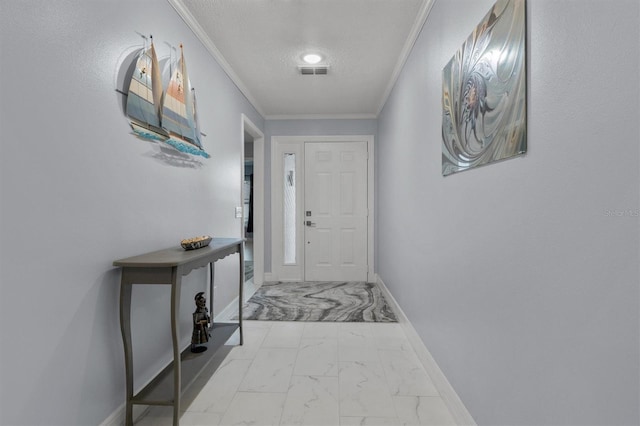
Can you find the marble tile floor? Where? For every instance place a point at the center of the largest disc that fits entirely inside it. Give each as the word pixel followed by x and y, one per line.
pixel 311 373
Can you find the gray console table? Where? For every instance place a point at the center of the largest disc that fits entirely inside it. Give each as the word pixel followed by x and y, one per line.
pixel 168 267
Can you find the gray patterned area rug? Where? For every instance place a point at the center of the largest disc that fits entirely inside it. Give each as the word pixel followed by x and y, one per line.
pixel 319 301
pixel 248 270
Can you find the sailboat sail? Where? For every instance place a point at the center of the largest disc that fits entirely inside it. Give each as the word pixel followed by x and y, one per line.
pixel 175 112
pixel 145 92
pixel 195 119
pixel 178 112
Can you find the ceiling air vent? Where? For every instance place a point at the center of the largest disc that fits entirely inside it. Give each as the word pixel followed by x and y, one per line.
pixel 314 70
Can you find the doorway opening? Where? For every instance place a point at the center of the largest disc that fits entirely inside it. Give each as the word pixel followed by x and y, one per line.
pixel 247 207
pixel 252 201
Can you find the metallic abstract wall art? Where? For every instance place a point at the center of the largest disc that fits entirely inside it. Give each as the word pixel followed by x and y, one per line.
pixel 484 97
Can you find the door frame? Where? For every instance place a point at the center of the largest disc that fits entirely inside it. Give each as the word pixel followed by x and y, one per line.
pixel 246 125
pixel 280 271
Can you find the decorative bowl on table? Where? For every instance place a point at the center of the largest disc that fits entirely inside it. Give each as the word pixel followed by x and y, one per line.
pixel 196 242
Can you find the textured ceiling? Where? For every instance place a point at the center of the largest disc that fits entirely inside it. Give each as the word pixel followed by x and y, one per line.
pixel 260 44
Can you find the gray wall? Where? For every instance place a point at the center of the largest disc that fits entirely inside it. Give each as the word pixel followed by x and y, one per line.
pixel 311 127
pixel 78 191
pixel 522 277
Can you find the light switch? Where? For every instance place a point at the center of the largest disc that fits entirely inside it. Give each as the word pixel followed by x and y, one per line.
pixel 238 212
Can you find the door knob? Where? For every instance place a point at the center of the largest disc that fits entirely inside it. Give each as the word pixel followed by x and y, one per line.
pixel 310 224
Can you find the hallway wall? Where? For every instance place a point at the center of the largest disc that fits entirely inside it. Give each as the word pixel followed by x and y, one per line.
pixel 522 277
pixel 78 191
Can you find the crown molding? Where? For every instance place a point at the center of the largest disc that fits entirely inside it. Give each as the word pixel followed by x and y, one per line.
pixel 199 32
pixel 421 18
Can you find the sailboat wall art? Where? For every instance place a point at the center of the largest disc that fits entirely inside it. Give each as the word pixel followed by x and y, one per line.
pixel 484 96
pixel 165 116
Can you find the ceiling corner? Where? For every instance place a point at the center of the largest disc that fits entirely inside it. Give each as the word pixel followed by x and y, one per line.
pixel 199 32
pixel 421 18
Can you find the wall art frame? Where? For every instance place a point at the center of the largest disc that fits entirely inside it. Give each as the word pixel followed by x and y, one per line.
pixel 484 92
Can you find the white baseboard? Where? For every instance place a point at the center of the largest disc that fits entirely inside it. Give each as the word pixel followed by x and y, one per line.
pixel 231 309
pixel 117 417
pixel 227 313
pixel 459 412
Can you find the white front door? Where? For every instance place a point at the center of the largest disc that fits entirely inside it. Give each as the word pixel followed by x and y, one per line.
pixel 336 211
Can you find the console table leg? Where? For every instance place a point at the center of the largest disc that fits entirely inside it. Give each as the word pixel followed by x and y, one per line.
pixel 241 292
pixel 211 275
pixel 176 279
pixel 125 328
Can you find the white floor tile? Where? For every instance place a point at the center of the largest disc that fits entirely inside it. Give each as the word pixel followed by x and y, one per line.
pixel 317 357
pixel 270 371
pixel 390 336
pixel 162 416
pixel 356 343
pixel 253 338
pixel 217 394
pixel 422 410
pixel 311 401
pixel 257 324
pixel 256 409
pixel 392 343
pixel 357 354
pixel 405 375
pixel 200 419
pixel 387 330
pixel 369 421
pixel 351 331
pixel 364 391
pixel 284 335
pixel 320 330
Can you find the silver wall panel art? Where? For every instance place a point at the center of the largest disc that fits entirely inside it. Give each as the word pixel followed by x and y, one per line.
pixel 484 97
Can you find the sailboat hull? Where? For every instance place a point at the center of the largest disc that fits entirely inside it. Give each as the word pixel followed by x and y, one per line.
pixel 184 145
pixel 146 131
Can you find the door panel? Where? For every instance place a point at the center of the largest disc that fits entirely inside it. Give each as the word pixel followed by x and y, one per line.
pixel 336 206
